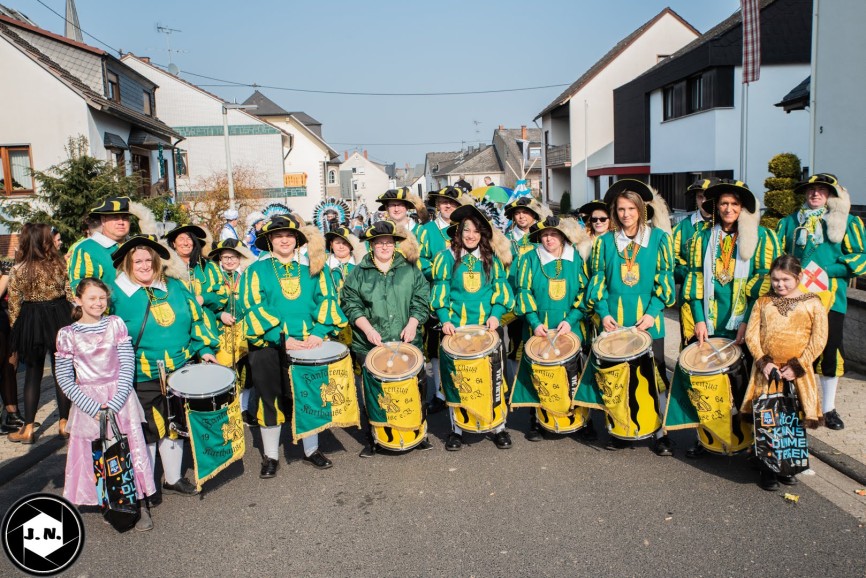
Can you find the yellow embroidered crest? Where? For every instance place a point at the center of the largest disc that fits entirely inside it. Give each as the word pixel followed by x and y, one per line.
pixel 630 274
pixel 291 287
pixel 556 289
pixel 330 392
pixel 471 281
pixel 162 313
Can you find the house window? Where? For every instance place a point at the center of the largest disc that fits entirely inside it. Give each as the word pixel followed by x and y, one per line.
pixel 148 104
pixel 332 177
pixel 696 93
pixel 181 166
pixel 712 88
pixel 355 186
pixel 535 152
pixel 15 170
pixel 354 170
pixel 113 87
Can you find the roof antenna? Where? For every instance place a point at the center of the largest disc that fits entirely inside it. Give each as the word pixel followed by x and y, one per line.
pixel 172 67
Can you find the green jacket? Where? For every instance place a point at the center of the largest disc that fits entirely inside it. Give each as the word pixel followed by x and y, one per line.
pixel 432 240
pixel 682 234
pixel 841 261
pixel 386 300
pixel 92 258
pixel 518 250
pixel 452 300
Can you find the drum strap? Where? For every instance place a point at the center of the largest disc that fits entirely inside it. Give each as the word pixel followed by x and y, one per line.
pixel 141 329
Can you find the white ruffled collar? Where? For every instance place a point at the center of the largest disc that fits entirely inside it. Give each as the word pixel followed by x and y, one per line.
pixel 545 257
pixel 622 240
pixel 129 287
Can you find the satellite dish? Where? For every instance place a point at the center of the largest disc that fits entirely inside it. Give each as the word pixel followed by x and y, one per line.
pixel 173 69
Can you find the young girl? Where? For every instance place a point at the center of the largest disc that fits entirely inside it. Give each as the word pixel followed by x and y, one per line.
pixel 787 331
pixel 95 369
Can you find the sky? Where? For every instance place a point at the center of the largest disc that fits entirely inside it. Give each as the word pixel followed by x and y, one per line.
pixel 382 46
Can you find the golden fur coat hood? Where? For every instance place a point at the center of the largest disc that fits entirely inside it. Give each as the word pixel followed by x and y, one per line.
pixel 836 216
pixel 661 214
pixel 409 247
pixel 315 248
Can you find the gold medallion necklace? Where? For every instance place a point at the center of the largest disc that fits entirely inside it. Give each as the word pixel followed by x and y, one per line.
pixel 290 284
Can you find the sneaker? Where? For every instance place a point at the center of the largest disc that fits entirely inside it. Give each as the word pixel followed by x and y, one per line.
pixel 454 442
pixel 318 460
pixel 145 522
pixel 424 445
pixel 833 421
pixel 502 440
pixel 182 487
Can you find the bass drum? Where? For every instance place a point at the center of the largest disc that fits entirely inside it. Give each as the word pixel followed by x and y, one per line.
pixel 392 392
pixel 555 413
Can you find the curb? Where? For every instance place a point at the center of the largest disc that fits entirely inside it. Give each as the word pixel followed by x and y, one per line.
pixel 21 464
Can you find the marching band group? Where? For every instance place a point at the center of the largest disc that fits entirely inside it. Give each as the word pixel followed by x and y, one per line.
pixel 560 315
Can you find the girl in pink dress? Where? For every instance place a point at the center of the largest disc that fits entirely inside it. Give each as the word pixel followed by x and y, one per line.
pixel 95 369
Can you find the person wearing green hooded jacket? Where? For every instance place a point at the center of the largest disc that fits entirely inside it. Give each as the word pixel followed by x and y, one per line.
pixel 385 298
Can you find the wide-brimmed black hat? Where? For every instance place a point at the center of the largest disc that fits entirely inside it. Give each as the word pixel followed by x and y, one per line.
pixel 449 192
pixel 526 203
pixel 548 224
pixel 139 240
pixel 279 223
pixel 193 231
pixel 384 228
pixel 464 211
pixel 702 184
pixel 400 195
pixel 826 179
pixel 739 188
pixel 229 245
pixel 337 233
pixel 594 205
pixel 621 186
pixel 113 206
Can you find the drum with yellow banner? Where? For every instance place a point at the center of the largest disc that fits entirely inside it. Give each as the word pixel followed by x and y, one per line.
pixel 555 365
pixel 622 380
pixel 393 395
pixel 470 363
pixel 708 388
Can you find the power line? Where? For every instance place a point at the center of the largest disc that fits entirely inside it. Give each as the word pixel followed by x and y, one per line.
pixel 113 49
pixel 401 144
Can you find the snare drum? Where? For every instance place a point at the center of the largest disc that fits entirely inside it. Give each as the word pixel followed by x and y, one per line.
pixel 470 365
pixel 199 387
pixel 554 367
pixel 708 386
pixel 621 378
pixel 392 393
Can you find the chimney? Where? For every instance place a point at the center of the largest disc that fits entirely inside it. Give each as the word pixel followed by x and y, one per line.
pixel 365 153
pixel 501 127
pixel 145 59
pixel 345 155
pixel 523 131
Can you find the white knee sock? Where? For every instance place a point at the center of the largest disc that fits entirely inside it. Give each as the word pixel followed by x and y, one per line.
pixel 151 449
pixel 663 404
pixel 171 455
pixel 454 427
pixel 311 445
pixel 271 441
pixel 437 383
pixel 245 399
pixel 828 391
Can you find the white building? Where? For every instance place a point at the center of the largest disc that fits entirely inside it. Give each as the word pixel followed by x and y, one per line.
pixel 680 121
pixel 255 144
pixel 363 180
pixel 578 126
pixel 55 89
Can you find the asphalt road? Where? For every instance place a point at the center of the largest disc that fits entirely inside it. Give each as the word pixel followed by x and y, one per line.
pixel 557 507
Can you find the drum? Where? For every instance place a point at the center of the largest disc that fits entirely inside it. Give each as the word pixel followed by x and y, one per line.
pixel 199 387
pixel 715 378
pixel 556 366
pixel 472 357
pixel 325 354
pixel 392 393
pixel 627 380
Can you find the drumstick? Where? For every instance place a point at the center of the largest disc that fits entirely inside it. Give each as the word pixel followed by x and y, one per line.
pixel 717 351
pixel 160 365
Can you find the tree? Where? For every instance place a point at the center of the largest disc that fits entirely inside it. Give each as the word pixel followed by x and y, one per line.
pixel 206 207
pixel 780 198
pixel 67 191
pixel 565 203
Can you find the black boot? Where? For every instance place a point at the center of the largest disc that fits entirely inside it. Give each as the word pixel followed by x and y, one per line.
pixel 534 434
pixel 11 422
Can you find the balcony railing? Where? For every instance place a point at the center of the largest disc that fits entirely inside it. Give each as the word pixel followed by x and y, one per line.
pixel 559 156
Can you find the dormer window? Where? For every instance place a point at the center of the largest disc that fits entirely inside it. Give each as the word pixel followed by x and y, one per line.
pixel 113 87
pixel 148 103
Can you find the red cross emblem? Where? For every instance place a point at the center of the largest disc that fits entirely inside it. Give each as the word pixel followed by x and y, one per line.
pixel 814 278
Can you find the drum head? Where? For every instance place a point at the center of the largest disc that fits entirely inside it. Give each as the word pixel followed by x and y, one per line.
pixel 327 352
pixel 394 361
pixel 622 345
pixel 541 351
pixel 470 342
pixel 703 360
pixel 201 380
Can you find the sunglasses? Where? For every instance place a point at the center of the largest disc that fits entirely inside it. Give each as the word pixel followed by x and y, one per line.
pixel 598 219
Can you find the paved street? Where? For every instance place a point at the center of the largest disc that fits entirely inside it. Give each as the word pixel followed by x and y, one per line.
pixel 559 507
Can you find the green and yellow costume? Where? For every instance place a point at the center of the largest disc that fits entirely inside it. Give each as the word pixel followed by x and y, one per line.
pixel 92 258
pixel 433 239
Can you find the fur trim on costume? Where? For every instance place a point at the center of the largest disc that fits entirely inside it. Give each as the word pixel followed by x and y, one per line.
pixel 501 247
pixel 208 243
pixel 795 366
pixel 661 214
pixel 409 247
pixel 747 233
pixel 585 248
pixel 544 211
pixel 299 219
pixel 466 199
pixel 315 248
pixel 174 267
pixel 146 218
pixel 574 232
pixel 761 363
pixel 359 249
pixel 836 217
pixel 420 207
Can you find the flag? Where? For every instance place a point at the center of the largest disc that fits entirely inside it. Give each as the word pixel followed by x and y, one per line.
pixel 323 396
pixel 217 439
pixel 751 40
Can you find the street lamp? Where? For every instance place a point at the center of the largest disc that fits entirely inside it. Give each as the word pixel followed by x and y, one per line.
pixel 226 107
